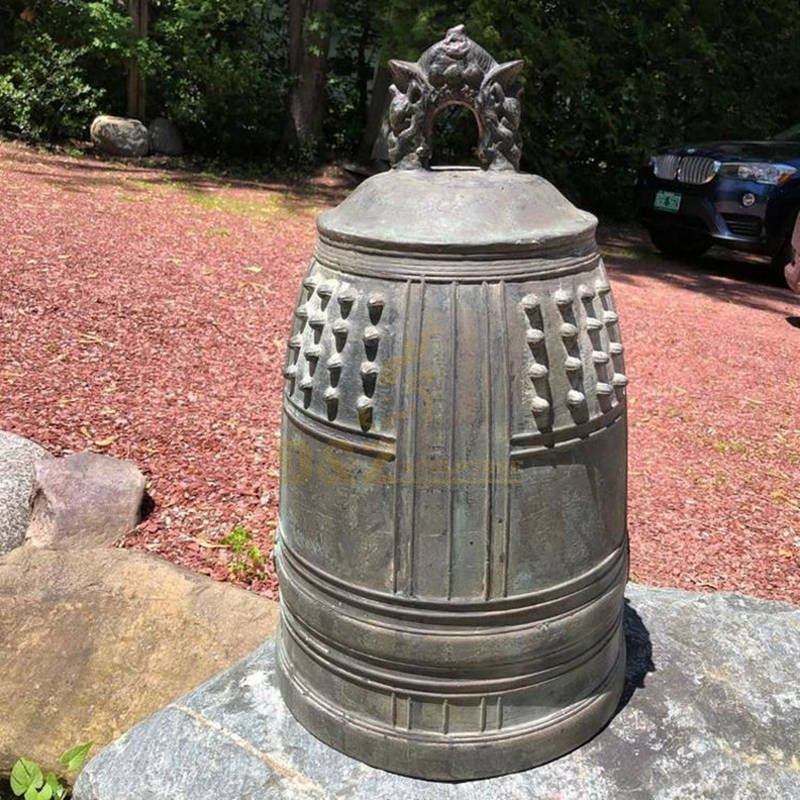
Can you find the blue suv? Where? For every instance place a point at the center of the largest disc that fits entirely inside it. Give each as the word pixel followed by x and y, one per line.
pixel 744 195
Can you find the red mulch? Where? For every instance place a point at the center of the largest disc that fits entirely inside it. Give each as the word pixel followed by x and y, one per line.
pixel 144 313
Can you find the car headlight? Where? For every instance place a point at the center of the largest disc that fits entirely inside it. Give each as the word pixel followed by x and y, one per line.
pixel 772 174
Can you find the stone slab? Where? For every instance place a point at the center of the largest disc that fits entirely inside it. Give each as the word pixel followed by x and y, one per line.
pixel 94 641
pixel 711 710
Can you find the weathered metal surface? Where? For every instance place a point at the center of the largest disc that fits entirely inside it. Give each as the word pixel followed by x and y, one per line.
pixel 455 71
pixel 452 545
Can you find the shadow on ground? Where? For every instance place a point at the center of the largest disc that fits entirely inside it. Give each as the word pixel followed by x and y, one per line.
pixel 639 654
pixel 734 277
pixel 81 174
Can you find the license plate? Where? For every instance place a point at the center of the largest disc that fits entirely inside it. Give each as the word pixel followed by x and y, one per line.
pixel 667 201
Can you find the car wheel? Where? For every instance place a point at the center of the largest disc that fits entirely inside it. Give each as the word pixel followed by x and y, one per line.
pixel 678 243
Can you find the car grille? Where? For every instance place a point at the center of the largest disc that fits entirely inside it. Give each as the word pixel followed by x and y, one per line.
pixel 687 169
pixel 697 169
pixel 742 224
pixel 666 166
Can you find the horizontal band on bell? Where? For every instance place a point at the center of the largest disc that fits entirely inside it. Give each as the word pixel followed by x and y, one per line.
pixel 402 736
pixel 357 668
pixel 540 604
pixel 439 267
pixel 526 444
pixel 382 445
pixel 369 443
pixel 481 653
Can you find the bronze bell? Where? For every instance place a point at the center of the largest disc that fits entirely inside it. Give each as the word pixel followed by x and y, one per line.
pixel 452 547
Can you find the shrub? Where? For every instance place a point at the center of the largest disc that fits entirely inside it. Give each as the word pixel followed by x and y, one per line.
pixel 61 61
pixel 45 93
pixel 217 68
pixel 248 562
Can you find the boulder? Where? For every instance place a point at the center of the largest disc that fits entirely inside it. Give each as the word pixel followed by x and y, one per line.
pixel 711 709
pixel 93 641
pixel 18 457
pixel 119 136
pixel 84 500
pixel 165 138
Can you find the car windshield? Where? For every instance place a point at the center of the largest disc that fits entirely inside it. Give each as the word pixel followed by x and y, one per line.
pixel 789 135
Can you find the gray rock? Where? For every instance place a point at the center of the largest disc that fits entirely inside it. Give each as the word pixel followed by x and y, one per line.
pixel 84 500
pixel 119 136
pixel 711 710
pixel 17 459
pixel 165 138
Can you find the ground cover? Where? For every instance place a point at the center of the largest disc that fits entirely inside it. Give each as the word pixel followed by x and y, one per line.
pixel 143 313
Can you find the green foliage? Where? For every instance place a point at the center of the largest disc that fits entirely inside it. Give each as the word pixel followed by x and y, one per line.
pixel 44 93
pixel 29 782
pixel 249 561
pixel 60 60
pixel 74 758
pixel 350 67
pixel 217 69
pixel 25 774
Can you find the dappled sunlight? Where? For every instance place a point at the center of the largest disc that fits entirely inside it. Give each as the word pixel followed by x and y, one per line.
pixel 240 196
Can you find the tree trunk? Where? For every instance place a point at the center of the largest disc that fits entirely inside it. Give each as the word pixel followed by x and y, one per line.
pixel 137 91
pixel 379 102
pixel 308 65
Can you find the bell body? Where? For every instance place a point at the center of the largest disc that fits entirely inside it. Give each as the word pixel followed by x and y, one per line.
pixel 452 547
